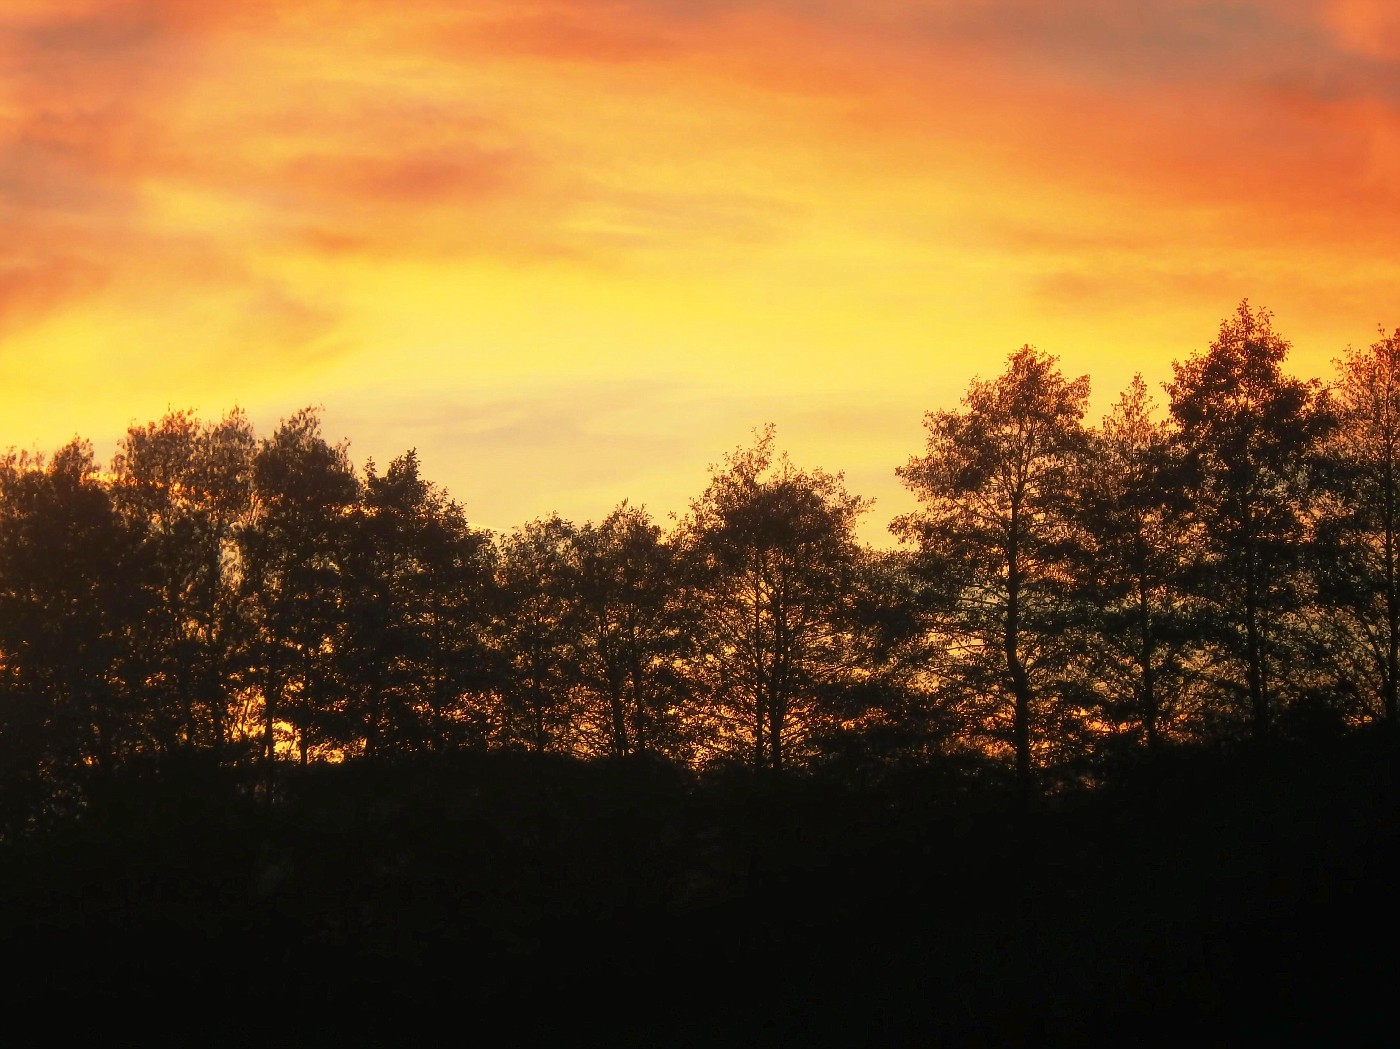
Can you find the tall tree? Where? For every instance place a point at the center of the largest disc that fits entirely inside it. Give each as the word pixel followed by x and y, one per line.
pixel 996 535
pixel 69 608
pixel 774 551
pixel 413 649
pixel 293 552
pixel 1249 437
pixel 891 710
pixel 1135 523
pixel 631 632
pixel 537 573
pixel 1360 528
pixel 185 487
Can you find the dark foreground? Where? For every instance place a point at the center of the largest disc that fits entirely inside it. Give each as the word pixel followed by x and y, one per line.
pixel 1207 898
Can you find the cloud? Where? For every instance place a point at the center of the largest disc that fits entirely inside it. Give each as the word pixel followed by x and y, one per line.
pixel 275 326
pixel 85 85
pixel 576 37
pixel 464 173
pixel 1157 41
pixel 89 82
pixel 29 292
pixel 1367 27
pixel 742 179
pixel 1127 287
pixel 627 219
pixel 511 457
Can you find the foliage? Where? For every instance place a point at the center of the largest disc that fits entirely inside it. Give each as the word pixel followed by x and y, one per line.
pixel 1066 596
pixel 997 534
pixel 772 555
pixel 1249 437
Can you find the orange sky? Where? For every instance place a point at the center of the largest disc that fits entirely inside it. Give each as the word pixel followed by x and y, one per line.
pixel 576 251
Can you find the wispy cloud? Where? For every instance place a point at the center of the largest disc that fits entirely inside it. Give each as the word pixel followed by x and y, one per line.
pixel 787 201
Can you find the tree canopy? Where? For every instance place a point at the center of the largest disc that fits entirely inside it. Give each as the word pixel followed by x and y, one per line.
pixel 1065 594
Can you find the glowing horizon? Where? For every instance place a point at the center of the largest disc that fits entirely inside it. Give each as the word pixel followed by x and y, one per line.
pixel 573 252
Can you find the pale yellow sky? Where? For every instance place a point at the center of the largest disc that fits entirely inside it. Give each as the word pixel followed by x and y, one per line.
pixel 575 251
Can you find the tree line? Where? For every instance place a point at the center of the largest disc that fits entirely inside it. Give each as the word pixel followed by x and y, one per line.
pixel 1222 566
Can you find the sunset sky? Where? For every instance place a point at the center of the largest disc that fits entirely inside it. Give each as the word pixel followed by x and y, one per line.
pixel 576 251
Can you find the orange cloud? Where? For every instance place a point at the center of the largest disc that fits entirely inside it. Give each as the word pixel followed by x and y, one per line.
pixel 1368 27
pixel 28 292
pixel 572 36
pixel 796 202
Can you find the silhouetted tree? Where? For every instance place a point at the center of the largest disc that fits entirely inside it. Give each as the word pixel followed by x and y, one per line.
pixel 1358 556
pixel 449 597
pixel 996 537
pixel 1061 591
pixel 890 709
pixel 1249 436
pixel 1134 515
pixel 185 487
pixel 773 552
pixel 538 632
pixel 69 605
pixel 293 553
pixel 413 647
pixel 631 630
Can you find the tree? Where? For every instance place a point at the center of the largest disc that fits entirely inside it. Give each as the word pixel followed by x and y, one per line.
pixel 889 709
pixel 293 551
pixel 69 606
pixel 1134 518
pixel 631 630
pixel 412 646
pixel 996 535
pixel 185 488
pixel 773 551
pixel 448 597
pixel 1248 437
pixel 1360 529
pixel 538 618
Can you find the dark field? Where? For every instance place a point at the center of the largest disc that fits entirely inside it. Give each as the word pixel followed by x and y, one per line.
pixel 1209 897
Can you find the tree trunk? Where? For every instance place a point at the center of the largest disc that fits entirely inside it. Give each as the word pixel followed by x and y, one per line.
pixel 1392 600
pixel 641 737
pixel 1254 645
pixel 776 712
pixel 619 716
pixel 760 712
pixel 1149 693
pixel 269 744
pixel 1016 671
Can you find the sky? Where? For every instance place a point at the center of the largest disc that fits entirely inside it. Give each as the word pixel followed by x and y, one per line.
pixel 575 251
